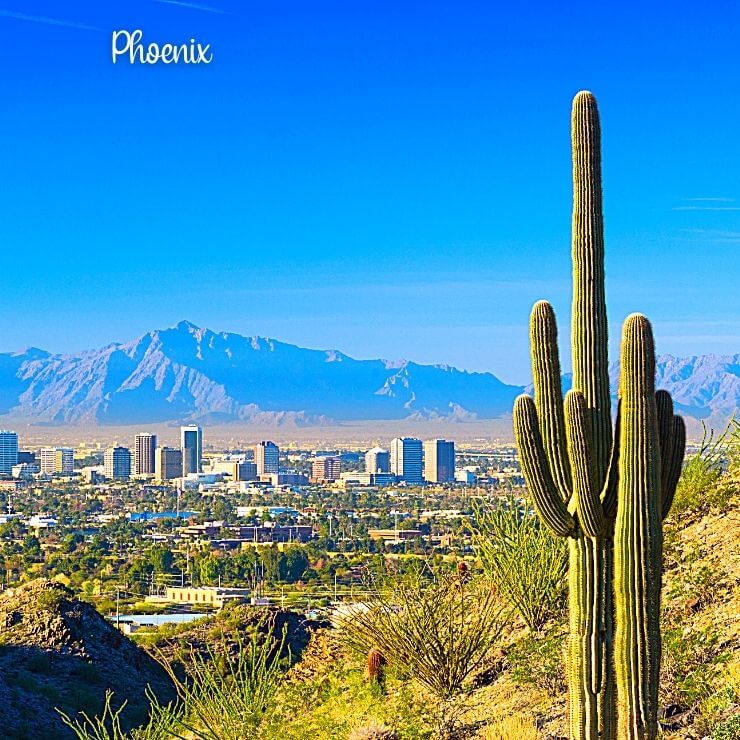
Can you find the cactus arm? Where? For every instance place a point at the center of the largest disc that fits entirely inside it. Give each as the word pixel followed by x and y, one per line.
pixel 664 404
pixel 672 446
pixel 588 320
pixel 638 538
pixel 590 514
pixel 673 473
pixel 536 470
pixel 609 492
pixel 548 393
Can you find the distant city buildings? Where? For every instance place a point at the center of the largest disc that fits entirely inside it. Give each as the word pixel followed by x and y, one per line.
pixel 117 463
pixel 326 469
pixel 26 456
pixel 285 479
pixel 57 461
pixel 267 458
pixel 237 470
pixel 191 443
pixel 8 451
pixel 167 463
pixel 145 450
pixel 47 461
pixel 377 460
pixel 439 461
pixel 406 459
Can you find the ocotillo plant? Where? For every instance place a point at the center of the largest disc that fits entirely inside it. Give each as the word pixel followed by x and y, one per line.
pixel 571 457
pixel 652 442
pixel 565 448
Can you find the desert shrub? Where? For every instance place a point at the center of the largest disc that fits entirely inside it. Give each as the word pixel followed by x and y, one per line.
pixel 692 669
pixel 436 627
pixel 700 485
pixel 49 599
pixel 88 673
pixel 39 662
pixel 729 729
pixel 733 447
pixel 108 726
pixel 525 561
pixel 537 660
pixel 439 627
pixel 222 699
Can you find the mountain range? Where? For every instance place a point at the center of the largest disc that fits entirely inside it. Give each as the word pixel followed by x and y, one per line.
pixel 188 373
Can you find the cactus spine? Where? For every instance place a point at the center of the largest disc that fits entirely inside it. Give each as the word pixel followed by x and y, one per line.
pixel 652 442
pixel 566 448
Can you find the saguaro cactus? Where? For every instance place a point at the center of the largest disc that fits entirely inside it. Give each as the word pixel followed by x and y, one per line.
pixel 565 449
pixel 652 442
pixel 570 456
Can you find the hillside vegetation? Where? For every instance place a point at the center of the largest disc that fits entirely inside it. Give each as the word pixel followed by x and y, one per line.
pixel 412 663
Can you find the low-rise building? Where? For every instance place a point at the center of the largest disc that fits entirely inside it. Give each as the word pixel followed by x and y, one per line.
pixel 206 595
pixel 394 535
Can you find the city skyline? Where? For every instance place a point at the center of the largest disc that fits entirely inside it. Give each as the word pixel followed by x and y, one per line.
pixel 339 167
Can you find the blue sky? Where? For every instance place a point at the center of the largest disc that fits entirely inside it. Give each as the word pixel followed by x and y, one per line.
pixel 389 179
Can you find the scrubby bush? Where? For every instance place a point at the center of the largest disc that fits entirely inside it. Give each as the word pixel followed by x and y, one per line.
pixel 525 561
pixel 436 627
pixel 700 485
pixel 537 660
pixel 224 697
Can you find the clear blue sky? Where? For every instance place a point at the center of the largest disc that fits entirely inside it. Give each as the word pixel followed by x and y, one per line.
pixel 386 178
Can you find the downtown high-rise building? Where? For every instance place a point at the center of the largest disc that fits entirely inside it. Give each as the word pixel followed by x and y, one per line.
pixel 439 461
pixel 377 460
pixel 57 461
pixel 145 450
pixel 8 451
pixel 407 459
pixel 267 458
pixel 191 444
pixel 168 463
pixel 326 468
pixel 117 463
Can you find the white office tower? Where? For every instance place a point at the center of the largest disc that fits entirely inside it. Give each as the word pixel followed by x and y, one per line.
pixel 57 460
pixel 191 443
pixel 377 460
pixel 117 462
pixel 439 461
pixel 406 459
pixel 145 451
pixel 47 461
pixel 267 458
pixel 8 451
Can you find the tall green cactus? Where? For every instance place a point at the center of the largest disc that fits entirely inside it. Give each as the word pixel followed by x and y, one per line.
pixel 652 443
pixel 565 448
pixel 570 455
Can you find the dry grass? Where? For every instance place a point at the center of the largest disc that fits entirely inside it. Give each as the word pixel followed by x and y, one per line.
pixel 515 727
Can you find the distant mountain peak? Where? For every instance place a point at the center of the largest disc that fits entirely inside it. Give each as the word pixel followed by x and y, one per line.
pixel 190 373
pixel 186 326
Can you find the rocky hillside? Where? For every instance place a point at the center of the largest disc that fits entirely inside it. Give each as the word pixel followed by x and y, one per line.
pixel 56 651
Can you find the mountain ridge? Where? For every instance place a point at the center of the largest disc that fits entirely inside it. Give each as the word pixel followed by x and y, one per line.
pixel 190 373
